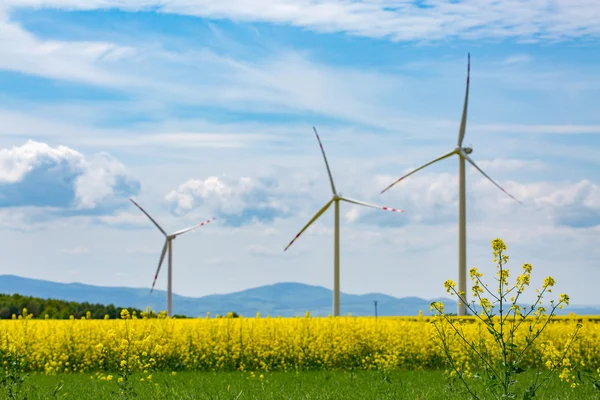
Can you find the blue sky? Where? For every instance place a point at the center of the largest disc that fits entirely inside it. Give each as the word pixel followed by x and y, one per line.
pixel 202 109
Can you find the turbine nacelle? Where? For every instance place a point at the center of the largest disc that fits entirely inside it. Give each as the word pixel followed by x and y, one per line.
pixel 461 150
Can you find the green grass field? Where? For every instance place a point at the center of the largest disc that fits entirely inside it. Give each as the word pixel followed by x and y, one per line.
pixel 279 385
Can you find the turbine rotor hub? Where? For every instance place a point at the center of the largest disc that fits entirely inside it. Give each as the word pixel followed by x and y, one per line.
pixel 468 150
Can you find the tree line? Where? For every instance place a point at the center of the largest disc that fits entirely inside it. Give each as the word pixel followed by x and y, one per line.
pixel 13 305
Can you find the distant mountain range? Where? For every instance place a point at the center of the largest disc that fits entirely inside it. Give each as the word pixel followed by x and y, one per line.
pixel 285 299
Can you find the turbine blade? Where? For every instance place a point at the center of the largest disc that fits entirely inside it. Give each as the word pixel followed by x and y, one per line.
pixel 162 258
pixel 326 163
pixel 463 120
pixel 317 215
pixel 191 228
pixel 362 203
pixel 148 215
pixel 420 168
pixel 486 175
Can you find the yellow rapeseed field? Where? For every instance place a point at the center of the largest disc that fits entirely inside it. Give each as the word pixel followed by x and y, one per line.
pixel 256 343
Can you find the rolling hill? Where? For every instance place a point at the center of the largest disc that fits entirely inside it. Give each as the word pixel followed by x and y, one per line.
pixel 285 299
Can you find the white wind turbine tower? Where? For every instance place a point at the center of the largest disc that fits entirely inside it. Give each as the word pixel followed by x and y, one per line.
pixel 336 249
pixel 463 154
pixel 168 246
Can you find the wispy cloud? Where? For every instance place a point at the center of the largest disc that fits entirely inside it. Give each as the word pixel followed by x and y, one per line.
pixel 23 52
pixel 404 21
pixel 517 59
pixel 537 129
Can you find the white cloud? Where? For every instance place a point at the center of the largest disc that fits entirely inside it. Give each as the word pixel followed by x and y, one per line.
pixel 426 198
pixel 238 201
pixel 101 176
pixel 433 198
pixel 36 174
pixel 352 214
pixel 402 21
pixel 517 59
pixel 74 61
pixel 17 162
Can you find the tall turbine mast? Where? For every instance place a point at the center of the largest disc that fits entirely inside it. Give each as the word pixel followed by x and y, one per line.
pixel 168 247
pixel 336 198
pixel 463 155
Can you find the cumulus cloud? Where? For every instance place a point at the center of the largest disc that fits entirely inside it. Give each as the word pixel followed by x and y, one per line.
pixel 572 204
pixel 433 199
pixel 428 198
pixel 36 174
pixel 237 201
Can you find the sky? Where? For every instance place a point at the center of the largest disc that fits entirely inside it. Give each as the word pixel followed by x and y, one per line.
pixel 201 109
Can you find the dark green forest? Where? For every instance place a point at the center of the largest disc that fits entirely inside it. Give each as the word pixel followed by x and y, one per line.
pixel 58 309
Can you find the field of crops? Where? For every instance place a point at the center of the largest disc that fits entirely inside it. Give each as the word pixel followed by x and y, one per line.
pixel 255 344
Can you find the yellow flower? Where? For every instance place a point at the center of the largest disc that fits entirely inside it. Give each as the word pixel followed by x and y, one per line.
pixel 523 279
pixel 549 281
pixel 498 247
pixel 109 378
pixel 120 380
pixel 485 303
pixel 449 285
pixel 123 363
pixel 437 305
pixel 474 273
pixel 563 298
pixel 476 289
pixel 503 276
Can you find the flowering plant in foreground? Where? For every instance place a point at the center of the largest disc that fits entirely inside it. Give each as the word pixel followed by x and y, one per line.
pixel 514 331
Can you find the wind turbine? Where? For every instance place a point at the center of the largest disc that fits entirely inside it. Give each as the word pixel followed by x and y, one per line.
pixel 463 154
pixel 168 246
pixel 337 197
